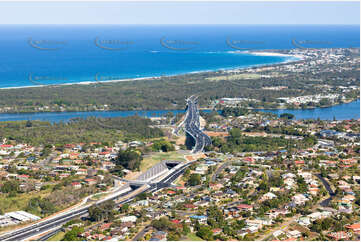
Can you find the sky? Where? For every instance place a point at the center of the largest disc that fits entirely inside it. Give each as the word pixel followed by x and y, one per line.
pixel 179 12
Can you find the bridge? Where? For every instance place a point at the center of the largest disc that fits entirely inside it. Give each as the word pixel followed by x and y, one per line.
pixel 152 174
pixel 123 195
pixel 191 126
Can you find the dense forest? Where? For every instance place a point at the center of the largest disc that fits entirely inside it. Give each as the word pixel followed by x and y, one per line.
pixel 79 130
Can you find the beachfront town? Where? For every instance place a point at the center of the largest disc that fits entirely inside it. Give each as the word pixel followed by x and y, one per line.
pixel 263 178
pixel 315 65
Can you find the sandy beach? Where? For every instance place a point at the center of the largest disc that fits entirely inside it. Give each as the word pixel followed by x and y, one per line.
pixel 99 80
pixel 274 54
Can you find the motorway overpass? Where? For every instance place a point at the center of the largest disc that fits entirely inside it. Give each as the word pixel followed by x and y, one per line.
pixel 123 195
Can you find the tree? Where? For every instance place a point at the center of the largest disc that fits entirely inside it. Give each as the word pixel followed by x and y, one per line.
pixel 28 124
pixel 10 186
pixel 186 228
pixel 235 132
pixel 194 180
pixel 162 224
pixel 46 206
pixel 129 159
pixel 287 116
pixel 233 111
pixel 187 173
pixel 103 211
pixel 124 208
pixel 205 233
pixel 163 145
pixel 72 235
pixel 172 236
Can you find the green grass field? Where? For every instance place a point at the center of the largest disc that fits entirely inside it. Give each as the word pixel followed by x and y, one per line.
pixel 20 202
pixel 155 158
pixel 57 236
pixel 193 237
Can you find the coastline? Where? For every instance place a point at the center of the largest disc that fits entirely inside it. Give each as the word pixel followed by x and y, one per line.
pixel 291 58
pixel 264 53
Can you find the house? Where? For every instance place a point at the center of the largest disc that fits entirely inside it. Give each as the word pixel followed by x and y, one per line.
pixel 189 206
pixel 313 191
pixel 216 186
pixel 268 196
pixel 140 203
pixel 90 181
pixel 289 182
pixel 245 207
pixel 314 216
pixel 354 227
pixel 349 198
pixel 159 236
pixel 217 231
pixel 176 221
pixel 200 218
pixel 171 192
pixel 293 234
pixel 201 169
pixel 304 221
pixel 76 185
pixel 277 233
pixel 131 218
pixel 23 177
pixel 341 235
pixel 275 189
pixel 288 175
pixel 201 203
pixel 305 175
pixel 249 160
pixel 299 199
pixel 108 165
pixel 105 226
pixel 276 212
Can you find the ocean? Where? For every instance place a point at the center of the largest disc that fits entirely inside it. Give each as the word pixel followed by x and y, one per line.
pixel 44 54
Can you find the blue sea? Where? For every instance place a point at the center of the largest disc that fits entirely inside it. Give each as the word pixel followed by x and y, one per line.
pixel 33 55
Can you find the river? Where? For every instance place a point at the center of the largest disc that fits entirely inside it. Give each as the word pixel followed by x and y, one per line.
pixel 340 112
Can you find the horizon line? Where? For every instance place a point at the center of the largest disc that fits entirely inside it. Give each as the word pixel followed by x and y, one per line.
pixel 157 24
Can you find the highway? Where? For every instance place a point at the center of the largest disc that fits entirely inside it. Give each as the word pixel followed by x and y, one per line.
pixel 192 126
pixel 54 223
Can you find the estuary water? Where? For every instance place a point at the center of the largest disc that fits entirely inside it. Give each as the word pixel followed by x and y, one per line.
pixel 340 112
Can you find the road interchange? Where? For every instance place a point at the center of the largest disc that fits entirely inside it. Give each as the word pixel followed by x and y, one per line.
pixel 54 223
